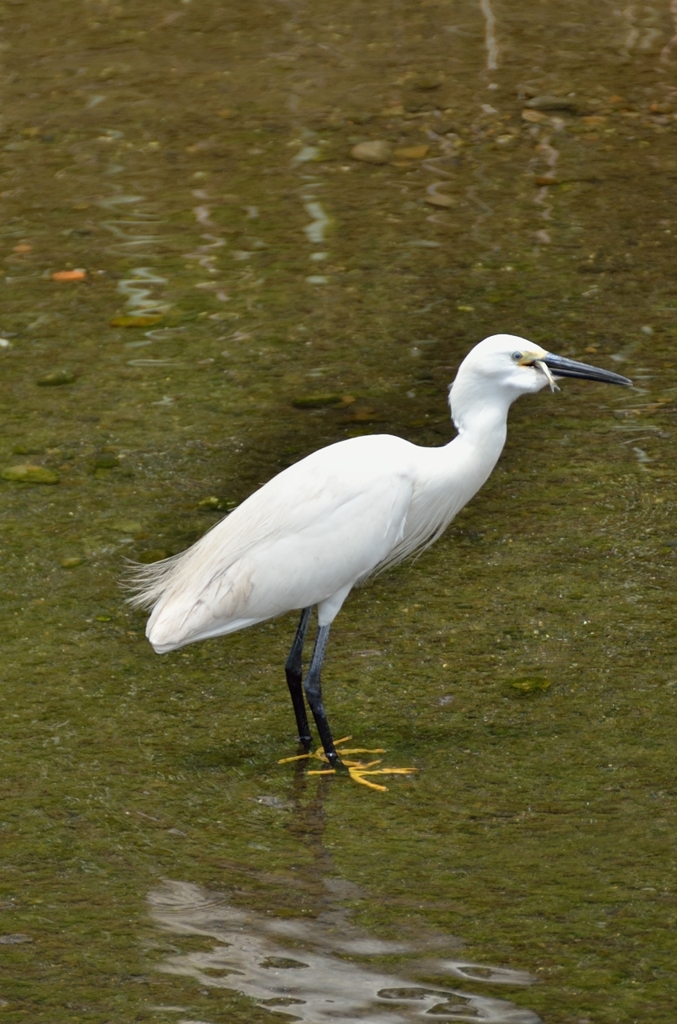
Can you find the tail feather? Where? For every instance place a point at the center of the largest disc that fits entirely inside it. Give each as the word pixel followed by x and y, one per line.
pixel 149 582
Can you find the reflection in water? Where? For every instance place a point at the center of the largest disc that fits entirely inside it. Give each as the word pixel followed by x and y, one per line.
pixel 316 230
pixel 305 966
pixel 490 35
pixel 139 302
pixel 295 966
pixel 667 49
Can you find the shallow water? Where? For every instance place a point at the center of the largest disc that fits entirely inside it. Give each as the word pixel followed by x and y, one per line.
pixel 252 955
pixel 251 293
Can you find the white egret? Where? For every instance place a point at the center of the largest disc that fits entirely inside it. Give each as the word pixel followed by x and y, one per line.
pixel 338 516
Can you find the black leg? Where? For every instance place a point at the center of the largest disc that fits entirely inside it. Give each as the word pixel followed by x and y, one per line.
pixel 294 673
pixel 313 688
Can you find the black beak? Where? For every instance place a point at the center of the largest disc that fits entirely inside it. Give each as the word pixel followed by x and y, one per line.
pixel 562 367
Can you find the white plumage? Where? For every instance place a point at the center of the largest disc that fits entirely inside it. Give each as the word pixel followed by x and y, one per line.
pixel 344 512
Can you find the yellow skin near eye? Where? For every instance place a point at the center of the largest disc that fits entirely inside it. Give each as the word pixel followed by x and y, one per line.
pixel 535 358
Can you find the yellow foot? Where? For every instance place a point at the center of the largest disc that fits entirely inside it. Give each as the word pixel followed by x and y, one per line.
pixel 356 769
pixel 320 755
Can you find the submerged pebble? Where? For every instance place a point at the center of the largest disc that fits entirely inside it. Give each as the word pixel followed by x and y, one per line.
pixel 375 151
pixel 26 473
pixel 72 562
pixel 365 415
pixel 55 377
pixel 434 198
pixel 69 275
pixel 551 103
pixel 105 460
pixel 412 152
pixel 530 684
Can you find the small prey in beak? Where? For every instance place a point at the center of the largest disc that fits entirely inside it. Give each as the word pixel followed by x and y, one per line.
pixel 544 368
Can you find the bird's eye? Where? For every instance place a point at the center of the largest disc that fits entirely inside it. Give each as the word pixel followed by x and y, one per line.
pixel 517 356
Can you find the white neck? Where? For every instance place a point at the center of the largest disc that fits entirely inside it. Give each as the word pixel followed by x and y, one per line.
pixel 451 475
pixel 482 429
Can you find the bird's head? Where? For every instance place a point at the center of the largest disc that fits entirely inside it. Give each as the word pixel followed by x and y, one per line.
pixel 504 366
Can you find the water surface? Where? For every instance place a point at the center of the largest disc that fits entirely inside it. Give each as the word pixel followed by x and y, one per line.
pixel 253 292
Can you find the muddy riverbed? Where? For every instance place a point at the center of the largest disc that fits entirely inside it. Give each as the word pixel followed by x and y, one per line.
pixel 233 289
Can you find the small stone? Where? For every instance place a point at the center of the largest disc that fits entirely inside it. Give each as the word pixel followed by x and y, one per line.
pixel 533 116
pixel 546 179
pixel 316 401
pixel 530 684
pixel 213 145
pixel 69 275
pixel 55 378
pixel 427 82
pixel 365 415
pixel 375 151
pixel 106 460
pixel 551 103
pixel 412 152
pixel 15 940
pixel 26 473
pixel 439 199
pixel 72 562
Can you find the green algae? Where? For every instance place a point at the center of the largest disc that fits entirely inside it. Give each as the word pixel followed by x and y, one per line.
pixel 27 473
pixel 539 830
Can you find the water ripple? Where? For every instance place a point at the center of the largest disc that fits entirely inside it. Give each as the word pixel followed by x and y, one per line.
pixel 295 966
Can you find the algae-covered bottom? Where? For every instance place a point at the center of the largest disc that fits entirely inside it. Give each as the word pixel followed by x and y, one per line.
pixel 208 275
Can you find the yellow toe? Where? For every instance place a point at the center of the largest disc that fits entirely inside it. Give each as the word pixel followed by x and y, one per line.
pixel 356 769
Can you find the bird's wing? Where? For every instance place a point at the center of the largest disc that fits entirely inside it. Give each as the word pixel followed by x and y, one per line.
pixel 317 527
